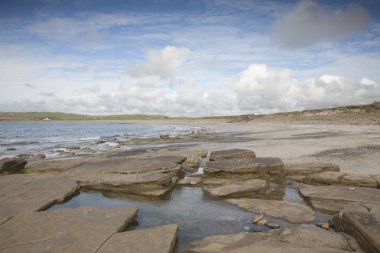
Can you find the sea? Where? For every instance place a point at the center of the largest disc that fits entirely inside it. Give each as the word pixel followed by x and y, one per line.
pixel 54 138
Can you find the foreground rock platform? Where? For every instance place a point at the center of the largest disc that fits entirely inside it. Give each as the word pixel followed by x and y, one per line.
pixel 25 193
pixel 83 229
pixel 302 239
pixel 333 198
pixel 288 211
pixel 361 222
pixel 158 240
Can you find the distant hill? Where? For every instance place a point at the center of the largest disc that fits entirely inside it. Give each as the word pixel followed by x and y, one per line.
pixel 356 114
pixel 66 116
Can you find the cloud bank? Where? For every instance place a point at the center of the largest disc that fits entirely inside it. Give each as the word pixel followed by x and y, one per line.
pixel 309 24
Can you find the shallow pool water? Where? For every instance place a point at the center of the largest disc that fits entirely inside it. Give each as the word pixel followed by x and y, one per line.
pixel 197 215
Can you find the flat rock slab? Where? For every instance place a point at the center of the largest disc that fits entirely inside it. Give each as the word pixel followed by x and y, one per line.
pixel 302 239
pixel 82 229
pixel 236 188
pixel 35 195
pixel 359 180
pixel 158 240
pixel 363 223
pixel 231 153
pixel 324 178
pixel 154 184
pixel 309 168
pixel 288 211
pixel 265 165
pixel 333 198
pixel 336 177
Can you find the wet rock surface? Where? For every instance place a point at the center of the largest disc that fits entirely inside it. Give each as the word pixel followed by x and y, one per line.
pixel 292 212
pixel 82 229
pixel 305 238
pixel 159 240
pixel 333 198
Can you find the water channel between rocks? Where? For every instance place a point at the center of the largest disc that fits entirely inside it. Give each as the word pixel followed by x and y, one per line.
pixel 198 216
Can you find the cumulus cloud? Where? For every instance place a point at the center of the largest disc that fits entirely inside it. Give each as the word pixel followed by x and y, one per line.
pixel 163 63
pixel 261 90
pixel 309 24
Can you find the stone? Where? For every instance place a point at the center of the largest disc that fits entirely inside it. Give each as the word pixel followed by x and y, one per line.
pixel 309 168
pixel 12 165
pixel 262 222
pixel 358 180
pixel 34 195
pixel 288 211
pixel 265 165
pixel 191 181
pixel 247 228
pixel 323 225
pixel 83 229
pixel 39 157
pixel 231 153
pixel 324 178
pixel 273 225
pixel 331 199
pixel 257 218
pixel 301 239
pixel 158 239
pixel 236 188
pixel 362 221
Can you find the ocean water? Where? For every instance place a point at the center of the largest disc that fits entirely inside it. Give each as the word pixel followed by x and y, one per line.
pixel 52 138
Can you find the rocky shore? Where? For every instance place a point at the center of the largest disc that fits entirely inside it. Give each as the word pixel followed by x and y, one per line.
pixel 226 166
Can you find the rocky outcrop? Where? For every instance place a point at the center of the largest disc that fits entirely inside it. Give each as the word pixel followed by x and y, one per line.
pixel 153 177
pixel 362 222
pixel 83 229
pixel 159 240
pixel 302 239
pixel 231 153
pixel 288 211
pixel 12 165
pixel 333 198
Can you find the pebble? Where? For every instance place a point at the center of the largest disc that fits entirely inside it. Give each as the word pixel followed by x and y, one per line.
pixel 273 225
pixel 257 218
pixel 324 225
pixel 262 222
pixel 247 228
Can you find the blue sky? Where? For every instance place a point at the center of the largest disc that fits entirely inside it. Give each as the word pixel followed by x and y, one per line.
pixel 205 57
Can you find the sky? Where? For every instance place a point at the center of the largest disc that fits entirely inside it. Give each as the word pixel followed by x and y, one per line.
pixel 188 58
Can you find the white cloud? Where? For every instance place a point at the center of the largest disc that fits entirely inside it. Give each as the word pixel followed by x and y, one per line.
pixel 309 24
pixel 262 90
pixel 163 63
